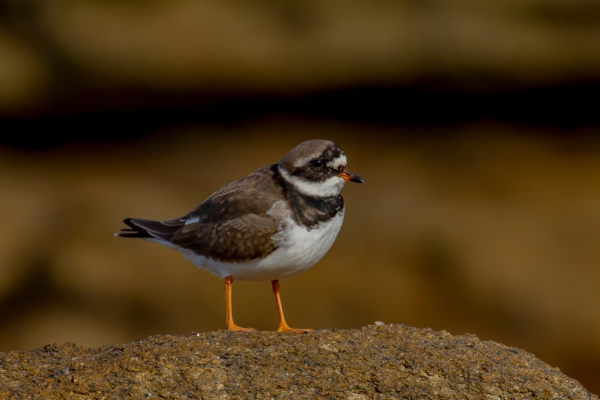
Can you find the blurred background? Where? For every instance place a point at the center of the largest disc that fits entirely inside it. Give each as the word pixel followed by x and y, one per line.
pixel 474 124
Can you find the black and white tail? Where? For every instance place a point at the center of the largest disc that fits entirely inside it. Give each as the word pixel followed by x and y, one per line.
pixel 149 229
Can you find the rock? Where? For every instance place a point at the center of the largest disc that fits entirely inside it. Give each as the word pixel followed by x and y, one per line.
pixel 382 361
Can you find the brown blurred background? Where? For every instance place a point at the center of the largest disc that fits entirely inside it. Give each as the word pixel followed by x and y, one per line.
pixel 474 124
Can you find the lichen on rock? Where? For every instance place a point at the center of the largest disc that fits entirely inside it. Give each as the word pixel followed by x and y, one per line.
pixel 378 361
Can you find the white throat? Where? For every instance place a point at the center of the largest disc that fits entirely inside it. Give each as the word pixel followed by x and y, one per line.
pixel 328 188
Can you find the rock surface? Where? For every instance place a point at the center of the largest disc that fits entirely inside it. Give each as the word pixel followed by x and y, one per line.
pixel 379 361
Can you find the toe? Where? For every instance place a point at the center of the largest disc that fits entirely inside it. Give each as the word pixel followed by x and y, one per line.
pixel 294 330
pixel 235 328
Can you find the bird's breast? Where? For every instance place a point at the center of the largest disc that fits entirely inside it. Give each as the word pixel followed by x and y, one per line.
pixel 300 247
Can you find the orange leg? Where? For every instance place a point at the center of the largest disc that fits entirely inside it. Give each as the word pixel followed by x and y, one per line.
pixel 229 319
pixel 283 326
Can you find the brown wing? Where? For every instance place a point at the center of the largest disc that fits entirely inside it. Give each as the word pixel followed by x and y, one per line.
pixel 235 240
pixel 232 225
pixel 253 194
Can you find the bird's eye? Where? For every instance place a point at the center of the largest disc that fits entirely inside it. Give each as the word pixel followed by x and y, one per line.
pixel 316 163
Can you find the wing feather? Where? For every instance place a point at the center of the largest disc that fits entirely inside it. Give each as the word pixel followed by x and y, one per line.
pixel 235 240
pixel 233 225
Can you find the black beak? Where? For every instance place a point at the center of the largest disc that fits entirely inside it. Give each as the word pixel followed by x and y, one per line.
pixel 348 175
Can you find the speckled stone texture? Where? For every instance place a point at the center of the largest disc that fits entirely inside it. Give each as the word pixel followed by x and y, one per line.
pixel 377 362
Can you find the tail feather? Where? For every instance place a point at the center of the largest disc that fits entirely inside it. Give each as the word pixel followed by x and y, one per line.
pixel 147 229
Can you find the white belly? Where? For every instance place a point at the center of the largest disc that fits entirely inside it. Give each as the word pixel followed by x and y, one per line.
pixel 299 249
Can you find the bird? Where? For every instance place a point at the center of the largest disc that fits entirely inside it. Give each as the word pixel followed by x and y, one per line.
pixel 274 223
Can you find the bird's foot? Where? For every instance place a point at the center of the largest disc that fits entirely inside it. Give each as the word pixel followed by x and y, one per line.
pixel 235 328
pixel 293 330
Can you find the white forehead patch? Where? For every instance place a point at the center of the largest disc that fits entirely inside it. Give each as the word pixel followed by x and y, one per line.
pixel 337 162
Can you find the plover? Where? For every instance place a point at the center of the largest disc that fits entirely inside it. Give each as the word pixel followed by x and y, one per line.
pixel 276 222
